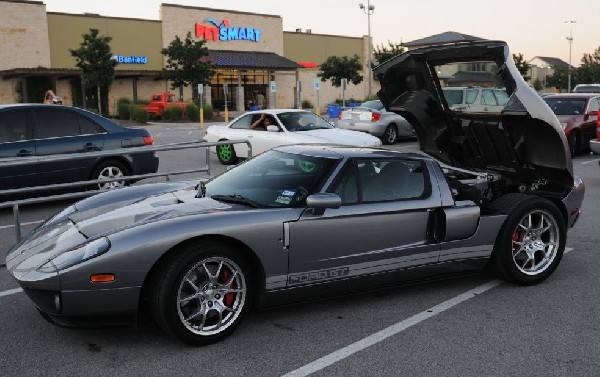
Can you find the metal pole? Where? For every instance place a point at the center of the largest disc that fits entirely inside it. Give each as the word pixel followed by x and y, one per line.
pixel 369 13
pixel 570 39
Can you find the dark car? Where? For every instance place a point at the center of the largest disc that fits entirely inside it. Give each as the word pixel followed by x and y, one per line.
pixel 578 115
pixel 41 130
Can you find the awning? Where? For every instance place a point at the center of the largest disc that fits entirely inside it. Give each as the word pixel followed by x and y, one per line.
pixel 65 73
pixel 251 60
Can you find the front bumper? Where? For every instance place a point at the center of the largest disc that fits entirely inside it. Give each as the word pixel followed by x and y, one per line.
pixel 595 146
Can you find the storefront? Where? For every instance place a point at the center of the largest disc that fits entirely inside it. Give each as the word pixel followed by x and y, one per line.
pixel 257 63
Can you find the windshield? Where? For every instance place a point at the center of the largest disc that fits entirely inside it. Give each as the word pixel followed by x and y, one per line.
pixel 566 106
pixel 374 105
pixel 303 121
pixel 273 179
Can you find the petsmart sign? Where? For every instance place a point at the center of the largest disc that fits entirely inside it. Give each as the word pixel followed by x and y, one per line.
pixel 223 32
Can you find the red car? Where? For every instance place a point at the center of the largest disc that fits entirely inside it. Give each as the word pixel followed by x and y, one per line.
pixel 578 115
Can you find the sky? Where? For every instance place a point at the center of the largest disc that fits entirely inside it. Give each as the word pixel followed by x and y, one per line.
pixel 530 27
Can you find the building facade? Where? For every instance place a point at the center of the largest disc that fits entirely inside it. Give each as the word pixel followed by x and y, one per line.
pixel 254 57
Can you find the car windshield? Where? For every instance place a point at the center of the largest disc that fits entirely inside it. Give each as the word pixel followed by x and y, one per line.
pixel 587 89
pixel 271 179
pixel 374 105
pixel 303 121
pixel 566 106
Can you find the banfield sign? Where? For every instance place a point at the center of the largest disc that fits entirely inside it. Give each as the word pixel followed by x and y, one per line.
pixel 223 32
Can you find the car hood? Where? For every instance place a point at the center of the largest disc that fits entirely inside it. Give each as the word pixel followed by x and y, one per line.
pixel 339 136
pixel 524 143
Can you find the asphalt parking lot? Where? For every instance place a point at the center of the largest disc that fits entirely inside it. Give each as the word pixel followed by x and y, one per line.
pixel 469 325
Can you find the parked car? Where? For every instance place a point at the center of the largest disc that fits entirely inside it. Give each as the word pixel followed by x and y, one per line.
pixel 578 115
pixel 373 118
pixel 302 221
pixel 159 102
pixel 587 88
pixel 288 126
pixel 469 99
pixel 41 130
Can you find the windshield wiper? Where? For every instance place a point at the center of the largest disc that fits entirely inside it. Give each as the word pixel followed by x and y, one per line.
pixel 238 199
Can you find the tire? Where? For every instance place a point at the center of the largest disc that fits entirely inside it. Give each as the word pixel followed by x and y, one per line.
pixel 107 170
pixel 390 135
pixel 531 241
pixel 574 143
pixel 226 154
pixel 202 293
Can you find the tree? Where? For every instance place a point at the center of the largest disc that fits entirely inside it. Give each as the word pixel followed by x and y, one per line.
pixel 336 68
pixel 559 78
pixel 187 63
pixel 383 53
pixel 589 70
pixel 522 66
pixel 94 58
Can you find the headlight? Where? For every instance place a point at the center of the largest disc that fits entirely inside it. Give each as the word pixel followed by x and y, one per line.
pixel 75 256
pixel 563 125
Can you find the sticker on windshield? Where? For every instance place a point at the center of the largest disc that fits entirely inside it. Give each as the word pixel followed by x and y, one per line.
pixel 288 193
pixel 307 166
pixel 283 200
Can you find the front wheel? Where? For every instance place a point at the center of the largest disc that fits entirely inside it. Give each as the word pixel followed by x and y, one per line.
pixel 202 293
pixel 531 241
pixel 226 154
pixel 390 134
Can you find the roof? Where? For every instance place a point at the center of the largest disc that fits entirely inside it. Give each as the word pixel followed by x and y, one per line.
pixel 69 72
pixel 555 62
pixel 251 59
pixel 442 38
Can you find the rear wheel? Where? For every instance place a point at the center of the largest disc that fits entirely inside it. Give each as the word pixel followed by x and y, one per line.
pixel 108 170
pixel 202 293
pixel 531 241
pixel 226 154
pixel 390 134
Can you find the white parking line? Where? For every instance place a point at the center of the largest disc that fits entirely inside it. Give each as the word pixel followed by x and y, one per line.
pixel 29 223
pixel 397 328
pixel 392 330
pixel 590 161
pixel 11 292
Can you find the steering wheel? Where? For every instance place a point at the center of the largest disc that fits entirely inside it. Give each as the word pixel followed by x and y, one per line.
pixel 301 194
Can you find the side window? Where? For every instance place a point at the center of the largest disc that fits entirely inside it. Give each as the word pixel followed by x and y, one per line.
pixel 242 123
pixel 171 99
pixel 594 105
pixel 487 98
pixel 502 97
pixel 13 126
pixel 87 127
pixel 381 180
pixel 55 123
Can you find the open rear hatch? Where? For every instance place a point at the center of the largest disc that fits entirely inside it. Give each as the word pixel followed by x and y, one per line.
pixel 521 139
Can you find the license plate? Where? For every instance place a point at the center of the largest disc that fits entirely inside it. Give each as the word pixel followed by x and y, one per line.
pixel 355 116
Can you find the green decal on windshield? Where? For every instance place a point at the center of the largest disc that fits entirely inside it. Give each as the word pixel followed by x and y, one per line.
pixel 307 166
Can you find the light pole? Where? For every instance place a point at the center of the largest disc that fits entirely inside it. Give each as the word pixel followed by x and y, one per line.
pixel 369 9
pixel 570 39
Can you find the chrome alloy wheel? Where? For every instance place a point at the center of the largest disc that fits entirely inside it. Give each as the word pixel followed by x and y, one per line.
pixel 211 296
pixel 110 172
pixel 535 242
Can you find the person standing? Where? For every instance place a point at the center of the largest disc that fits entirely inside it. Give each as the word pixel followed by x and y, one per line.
pixel 49 97
pixel 260 101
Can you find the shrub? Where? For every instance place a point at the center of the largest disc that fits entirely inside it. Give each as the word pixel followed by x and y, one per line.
pixel 131 109
pixel 192 112
pixel 123 110
pixel 208 111
pixel 306 104
pixel 140 115
pixel 123 100
pixel 174 114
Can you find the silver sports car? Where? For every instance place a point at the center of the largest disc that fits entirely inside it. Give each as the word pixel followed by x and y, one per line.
pixel 301 221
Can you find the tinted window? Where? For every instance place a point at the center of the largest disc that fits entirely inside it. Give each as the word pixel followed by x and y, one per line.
pixel 375 105
pixel 55 123
pixel 501 97
pixel 242 123
pixel 566 106
pixel 471 96
pixel 87 127
pixel 487 98
pixel 13 126
pixel 453 96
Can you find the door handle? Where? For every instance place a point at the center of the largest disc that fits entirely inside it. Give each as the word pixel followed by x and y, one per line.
pixel 24 153
pixel 90 147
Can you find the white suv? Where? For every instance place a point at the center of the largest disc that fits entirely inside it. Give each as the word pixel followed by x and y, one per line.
pixel 475 100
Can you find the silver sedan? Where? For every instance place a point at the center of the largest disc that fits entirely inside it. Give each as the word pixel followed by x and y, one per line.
pixel 373 118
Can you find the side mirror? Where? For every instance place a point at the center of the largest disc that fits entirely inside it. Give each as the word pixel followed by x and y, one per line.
pixel 321 201
pixel 272 128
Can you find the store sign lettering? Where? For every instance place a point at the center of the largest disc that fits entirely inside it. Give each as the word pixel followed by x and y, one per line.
pixel 222 32
pixel 130 59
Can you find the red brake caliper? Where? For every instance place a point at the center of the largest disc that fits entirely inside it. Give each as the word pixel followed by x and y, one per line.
pixel 516 238
pixel 229 297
